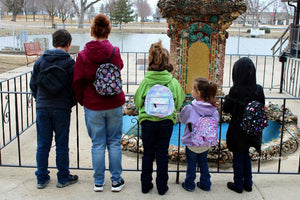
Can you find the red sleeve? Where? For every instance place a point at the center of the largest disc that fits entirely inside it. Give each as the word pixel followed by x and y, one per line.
pixel 78 80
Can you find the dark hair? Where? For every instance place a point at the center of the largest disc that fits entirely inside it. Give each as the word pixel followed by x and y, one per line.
pixel 159 58
pixel 101 26
pixel 61 38
pixel 208 90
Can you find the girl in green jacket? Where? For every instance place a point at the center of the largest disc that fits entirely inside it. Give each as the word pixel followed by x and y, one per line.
pixel 157 131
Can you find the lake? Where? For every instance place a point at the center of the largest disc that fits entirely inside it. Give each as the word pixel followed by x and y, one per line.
pixel 137 42
pixel 134 42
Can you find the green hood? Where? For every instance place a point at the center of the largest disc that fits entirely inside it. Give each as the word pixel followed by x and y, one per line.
pixel 158 77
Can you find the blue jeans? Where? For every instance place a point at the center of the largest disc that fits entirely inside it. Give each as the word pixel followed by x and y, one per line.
pixel 105 130
pixel 47 121
pixel 192 160
pixel 156 138
pixel 242 170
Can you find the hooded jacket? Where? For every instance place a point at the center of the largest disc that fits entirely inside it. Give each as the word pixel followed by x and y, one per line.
pixel 191 114
pixel 163 78
pixel 88 60
pixel 243 91
pixel 65 99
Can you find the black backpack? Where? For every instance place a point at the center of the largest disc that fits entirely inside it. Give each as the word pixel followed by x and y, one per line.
pixel 254 118
pixel 54 78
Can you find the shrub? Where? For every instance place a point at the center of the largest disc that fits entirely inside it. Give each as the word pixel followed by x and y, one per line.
pixel 267 30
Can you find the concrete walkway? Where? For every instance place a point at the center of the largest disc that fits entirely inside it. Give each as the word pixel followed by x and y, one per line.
pixel 20 184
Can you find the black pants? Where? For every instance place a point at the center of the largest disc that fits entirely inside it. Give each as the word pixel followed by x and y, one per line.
pixel 156 138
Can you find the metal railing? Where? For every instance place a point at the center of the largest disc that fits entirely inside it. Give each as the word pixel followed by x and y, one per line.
pixel 18 115
pixel 17 110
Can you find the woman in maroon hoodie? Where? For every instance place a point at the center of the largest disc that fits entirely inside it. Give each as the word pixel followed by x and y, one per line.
pixel 103 114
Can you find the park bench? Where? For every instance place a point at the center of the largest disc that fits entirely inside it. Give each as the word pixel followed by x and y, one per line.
pixel 32 49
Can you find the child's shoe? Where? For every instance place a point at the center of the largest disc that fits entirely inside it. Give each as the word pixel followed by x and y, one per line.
pixel 98 188
pixel 202 187
pixel 72 179
pixel 187 189
pixel 232 187
pixel 117 185
pixel 42 185
pixel 146 188
pixel 162 191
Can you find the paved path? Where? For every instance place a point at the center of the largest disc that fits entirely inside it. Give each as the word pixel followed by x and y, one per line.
pixel 20 184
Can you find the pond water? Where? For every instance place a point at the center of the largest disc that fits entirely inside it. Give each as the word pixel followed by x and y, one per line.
pixel 137 42
pixel 134 42
pixel 130 127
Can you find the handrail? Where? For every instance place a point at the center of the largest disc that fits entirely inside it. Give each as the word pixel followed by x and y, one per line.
pixel 280 39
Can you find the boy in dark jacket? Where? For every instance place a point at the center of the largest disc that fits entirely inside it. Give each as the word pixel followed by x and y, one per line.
pixel 243 91
pixel 53 113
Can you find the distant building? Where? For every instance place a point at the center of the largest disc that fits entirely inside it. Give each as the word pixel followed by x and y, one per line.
pixel 267 18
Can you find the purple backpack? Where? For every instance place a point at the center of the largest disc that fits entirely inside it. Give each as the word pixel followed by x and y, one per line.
pixel 205 132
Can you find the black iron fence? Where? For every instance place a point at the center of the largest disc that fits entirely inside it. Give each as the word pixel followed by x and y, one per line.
pixel 18 115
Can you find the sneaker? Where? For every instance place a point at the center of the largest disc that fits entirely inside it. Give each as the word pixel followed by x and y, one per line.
pixel 72 179
pixel 42 185
pixel 202 187
pixel 163 191
pixel 187 189
pixel 117 185
pixel 98 188
pixel 232 187
pixel 146 188
pixel 247 188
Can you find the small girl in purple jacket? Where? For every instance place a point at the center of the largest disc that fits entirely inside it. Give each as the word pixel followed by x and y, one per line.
pixel 204 104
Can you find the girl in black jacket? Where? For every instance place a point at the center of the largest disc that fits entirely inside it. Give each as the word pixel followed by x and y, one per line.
pixel 243 91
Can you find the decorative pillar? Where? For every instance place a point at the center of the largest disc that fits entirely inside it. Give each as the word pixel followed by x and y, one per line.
pixel 197 29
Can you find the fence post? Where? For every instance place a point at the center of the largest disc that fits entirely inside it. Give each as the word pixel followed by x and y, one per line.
pixel 282 59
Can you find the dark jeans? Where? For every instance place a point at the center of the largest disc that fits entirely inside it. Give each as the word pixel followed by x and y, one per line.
pixel 192 160
pixel 156 138
pixel 47 121
pixel 242 171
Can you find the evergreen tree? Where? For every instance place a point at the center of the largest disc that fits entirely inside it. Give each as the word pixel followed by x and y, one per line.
pixel 122 12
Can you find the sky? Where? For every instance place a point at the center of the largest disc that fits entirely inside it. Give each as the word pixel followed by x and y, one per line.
pixel 152 3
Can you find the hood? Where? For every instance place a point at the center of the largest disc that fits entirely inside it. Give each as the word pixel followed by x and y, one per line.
pixel 203 108
pixel 98 51
pixel 158 77
pixel 244 73
pixel 56 56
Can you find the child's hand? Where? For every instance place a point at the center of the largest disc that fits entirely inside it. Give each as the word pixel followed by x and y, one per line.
pixel 189 127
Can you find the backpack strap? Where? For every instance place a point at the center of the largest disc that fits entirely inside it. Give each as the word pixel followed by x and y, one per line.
pixel 112 55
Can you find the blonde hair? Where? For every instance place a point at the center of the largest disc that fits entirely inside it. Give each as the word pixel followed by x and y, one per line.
pixel 159 58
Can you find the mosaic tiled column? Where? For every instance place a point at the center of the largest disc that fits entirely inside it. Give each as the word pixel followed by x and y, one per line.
pixel 197 29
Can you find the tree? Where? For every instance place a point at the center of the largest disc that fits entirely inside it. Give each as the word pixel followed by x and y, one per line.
pixel 143 9
pixel 34 7
pixel 14 6
pixel 108 8
pixel 80 11
pixel 123 12
pixel 64 9
pixel 255 9
pixel 90 13
pixel 157 16
pixel 51 7
pixel 290 10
